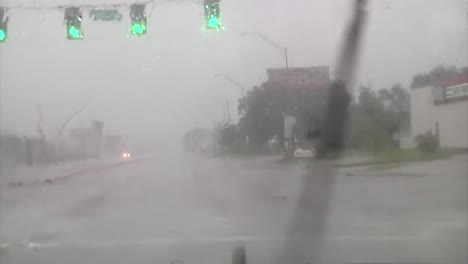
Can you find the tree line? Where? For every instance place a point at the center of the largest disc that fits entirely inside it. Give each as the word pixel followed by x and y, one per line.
pixel 377 115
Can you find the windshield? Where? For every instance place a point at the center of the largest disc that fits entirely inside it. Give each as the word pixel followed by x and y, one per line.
pixel 222 131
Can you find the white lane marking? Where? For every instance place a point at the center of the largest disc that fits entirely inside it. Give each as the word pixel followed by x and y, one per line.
pixel 207 240
pixel 427 233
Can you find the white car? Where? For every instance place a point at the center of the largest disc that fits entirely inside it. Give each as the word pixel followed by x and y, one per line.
pixel 304 153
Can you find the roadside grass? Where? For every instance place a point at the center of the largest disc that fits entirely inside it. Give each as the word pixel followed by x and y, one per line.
pixel 246 152
pixel 408 155
pixel 383 167
pixel 381 160
pixel 391 158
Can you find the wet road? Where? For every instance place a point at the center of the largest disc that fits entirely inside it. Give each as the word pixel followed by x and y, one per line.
pixel 195 210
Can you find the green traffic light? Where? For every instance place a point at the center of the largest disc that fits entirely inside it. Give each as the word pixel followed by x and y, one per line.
pixel 138 29
pixel 2 35
pixel 74 33
pixel 214 22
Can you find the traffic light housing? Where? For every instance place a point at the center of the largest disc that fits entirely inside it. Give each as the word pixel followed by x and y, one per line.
pixel 3 34
pixel 212 14
pixel 3 25
pixel 73 20
pixel 138 19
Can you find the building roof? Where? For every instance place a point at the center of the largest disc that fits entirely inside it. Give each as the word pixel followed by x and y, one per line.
pixel 457 80
pixel 299 76
pixel 296 69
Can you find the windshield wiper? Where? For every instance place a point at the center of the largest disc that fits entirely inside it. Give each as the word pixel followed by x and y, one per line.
pixel 307 230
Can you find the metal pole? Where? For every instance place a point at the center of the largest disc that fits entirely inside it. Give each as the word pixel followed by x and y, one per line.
pixel 286 56
pixel 232 81
pixel 73 116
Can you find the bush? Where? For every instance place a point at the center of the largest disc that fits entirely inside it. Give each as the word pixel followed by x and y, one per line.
pixel 427 143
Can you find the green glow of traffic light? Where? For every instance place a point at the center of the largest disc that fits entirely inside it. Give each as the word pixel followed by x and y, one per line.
pixel 74 32
pixel 2 35
pixel 214 22
pixel 138 28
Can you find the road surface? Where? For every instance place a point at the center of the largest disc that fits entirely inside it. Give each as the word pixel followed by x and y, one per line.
pixel 179 208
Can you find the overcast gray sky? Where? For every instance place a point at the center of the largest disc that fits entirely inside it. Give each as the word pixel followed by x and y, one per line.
pixel 157 86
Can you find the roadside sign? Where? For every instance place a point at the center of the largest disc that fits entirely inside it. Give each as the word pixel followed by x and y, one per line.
pixel 456 91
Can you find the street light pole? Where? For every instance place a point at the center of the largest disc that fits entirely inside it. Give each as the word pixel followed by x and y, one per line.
pixel 232 81
pixel 212 99
pixel 272 43
pixel 286 57
pixel 67 121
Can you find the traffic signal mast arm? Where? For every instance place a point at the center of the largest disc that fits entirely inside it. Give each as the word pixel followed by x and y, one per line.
pixel 89 6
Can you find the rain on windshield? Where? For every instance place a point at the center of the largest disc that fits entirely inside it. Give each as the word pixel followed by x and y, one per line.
pixel 222 131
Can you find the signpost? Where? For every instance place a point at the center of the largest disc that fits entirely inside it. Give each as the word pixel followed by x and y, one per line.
pixel 289 124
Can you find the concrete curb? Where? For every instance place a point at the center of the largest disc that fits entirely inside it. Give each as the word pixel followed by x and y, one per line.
pixel 50 180
pixel 365 164
pixel 356 164
pixel 384 162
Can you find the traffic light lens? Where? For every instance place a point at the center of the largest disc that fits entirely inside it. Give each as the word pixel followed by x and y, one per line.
pixel 138 29
pixel 213 22
pixel 74 32
pixel 2 35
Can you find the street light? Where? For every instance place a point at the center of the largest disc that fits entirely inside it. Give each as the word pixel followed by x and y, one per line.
pixel 70 119
pixel 219 101
pixel 239 85
pixel 271 42
pixel 232 81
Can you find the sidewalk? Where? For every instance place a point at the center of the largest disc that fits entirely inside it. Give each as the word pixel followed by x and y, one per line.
pixel 26 175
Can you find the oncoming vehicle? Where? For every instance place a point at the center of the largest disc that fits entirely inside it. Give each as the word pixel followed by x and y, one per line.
pixel 126 155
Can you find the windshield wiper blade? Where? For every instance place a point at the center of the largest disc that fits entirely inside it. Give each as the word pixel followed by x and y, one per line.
pixel 307 230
